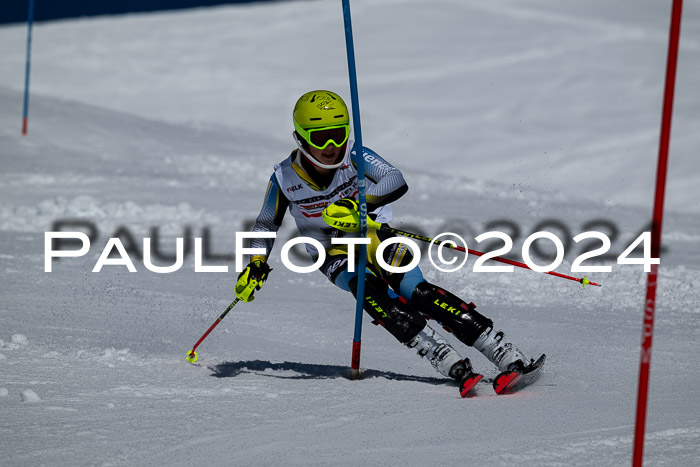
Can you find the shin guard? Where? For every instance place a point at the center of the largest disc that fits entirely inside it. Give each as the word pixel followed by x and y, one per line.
pixel 453 313
pixel 393 313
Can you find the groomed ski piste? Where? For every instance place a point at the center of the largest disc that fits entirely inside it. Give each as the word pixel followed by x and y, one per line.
pixel 501 116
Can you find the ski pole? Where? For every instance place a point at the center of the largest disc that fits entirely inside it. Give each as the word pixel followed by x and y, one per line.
pixel 372 224
pixel 192 355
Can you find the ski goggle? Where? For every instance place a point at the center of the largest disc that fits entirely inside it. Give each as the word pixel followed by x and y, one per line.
pixel 320 138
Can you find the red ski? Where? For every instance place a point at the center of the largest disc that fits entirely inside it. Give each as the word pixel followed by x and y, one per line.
pixel 468 383
pixel 513 380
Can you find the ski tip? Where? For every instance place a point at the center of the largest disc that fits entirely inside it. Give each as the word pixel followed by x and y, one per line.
pixel 534 366
pixel 539 362
pixel 192 356
pixel 466 386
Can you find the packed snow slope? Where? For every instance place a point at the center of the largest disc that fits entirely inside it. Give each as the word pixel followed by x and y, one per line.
pixel 514 116
pixel 556 95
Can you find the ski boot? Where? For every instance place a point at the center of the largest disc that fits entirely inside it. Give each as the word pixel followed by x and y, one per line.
pixel 445 359
pixel 464 374
pixel 504 355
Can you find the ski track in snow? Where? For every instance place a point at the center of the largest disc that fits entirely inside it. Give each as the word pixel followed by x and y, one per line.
pixel 144 125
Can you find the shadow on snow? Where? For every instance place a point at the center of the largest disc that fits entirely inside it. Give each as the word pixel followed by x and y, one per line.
pixel 311 371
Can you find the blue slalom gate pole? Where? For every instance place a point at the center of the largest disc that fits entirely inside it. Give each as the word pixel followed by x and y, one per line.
pixel 360 162
pixel 30 23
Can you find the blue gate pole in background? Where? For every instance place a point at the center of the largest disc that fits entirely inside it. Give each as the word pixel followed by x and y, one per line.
pixel 30 23
pixel 360 162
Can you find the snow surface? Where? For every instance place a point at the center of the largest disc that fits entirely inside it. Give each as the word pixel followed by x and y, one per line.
pixel 29 396
pixel 526 111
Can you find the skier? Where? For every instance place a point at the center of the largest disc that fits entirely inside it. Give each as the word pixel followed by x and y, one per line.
pixel 320 174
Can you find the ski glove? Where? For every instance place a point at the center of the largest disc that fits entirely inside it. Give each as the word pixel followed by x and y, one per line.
pixel 251 279
pixel 344 215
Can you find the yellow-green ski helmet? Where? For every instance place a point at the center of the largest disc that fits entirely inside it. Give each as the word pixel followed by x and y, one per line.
pixel 321 118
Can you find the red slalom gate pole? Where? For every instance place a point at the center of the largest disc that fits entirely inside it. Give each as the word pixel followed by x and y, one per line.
pixel 657 221
pixel 25 111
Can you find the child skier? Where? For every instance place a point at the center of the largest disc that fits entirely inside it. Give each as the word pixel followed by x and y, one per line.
pixel 320 174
